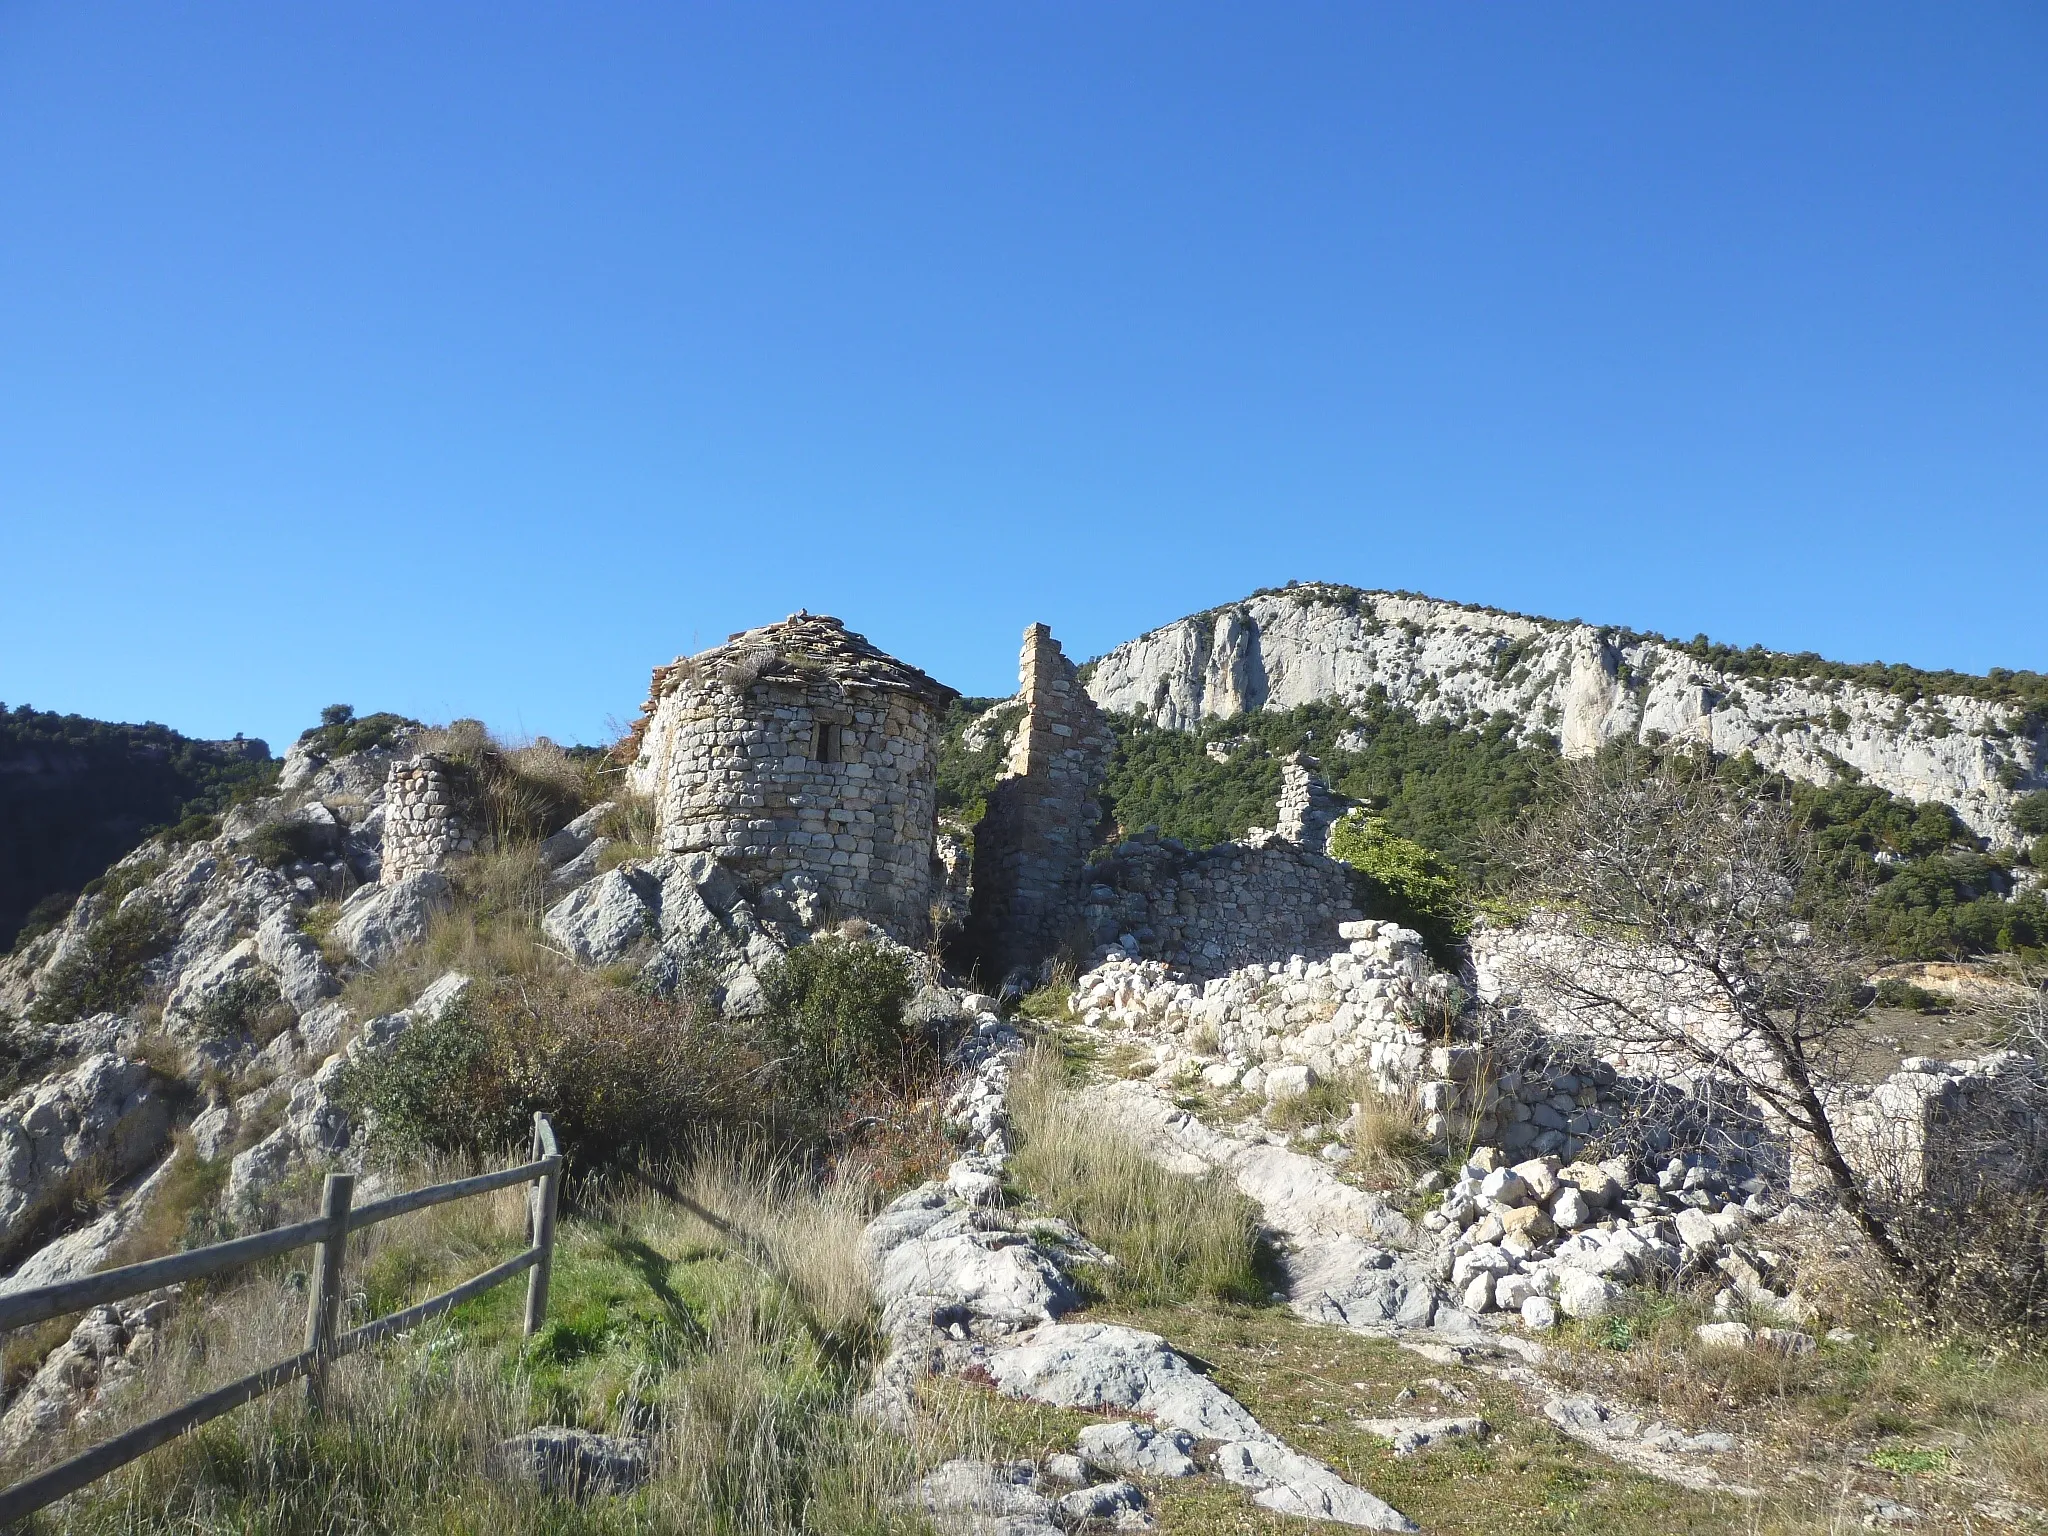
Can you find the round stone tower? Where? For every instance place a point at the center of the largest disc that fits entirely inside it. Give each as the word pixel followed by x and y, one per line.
pixel 798 749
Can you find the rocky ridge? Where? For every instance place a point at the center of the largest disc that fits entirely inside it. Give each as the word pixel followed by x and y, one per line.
pixel 1582 684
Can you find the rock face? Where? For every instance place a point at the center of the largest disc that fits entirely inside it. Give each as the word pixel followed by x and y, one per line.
pixel 1580 684
pixel 105 1116
pixel 798 748
pixel 379 920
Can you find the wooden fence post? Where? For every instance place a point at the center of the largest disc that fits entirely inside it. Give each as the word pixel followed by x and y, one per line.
pixel 323 1296
pixel 542 1205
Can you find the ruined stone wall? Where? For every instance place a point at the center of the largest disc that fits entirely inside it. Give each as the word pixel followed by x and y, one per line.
pixel 1307 809
pixel 1217 909
pixel 426 818
pixel 776 778
pixel 1033 843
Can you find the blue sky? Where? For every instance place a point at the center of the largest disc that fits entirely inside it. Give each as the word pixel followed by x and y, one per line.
pixel 473 359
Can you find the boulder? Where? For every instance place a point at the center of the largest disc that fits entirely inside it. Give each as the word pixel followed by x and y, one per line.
pixel 295 960
pixel 107 1115
pixel 1411 1436
pixel 1539 1314
pixel 1580 1294
pixel 570 1463
pixel 1530 1222
pixel 1118 1504
pixel 599 923
pixel 1138 1450
pixel 211 979
pixel 1724 1335
pixel 380 920
pixel 1505 1187
pixel 1290 1483
pixel 575 838
pixel 996 1276
pixel 1289 1080
pixel 1107 1366
pixel 978 1498
pixel 1570 1209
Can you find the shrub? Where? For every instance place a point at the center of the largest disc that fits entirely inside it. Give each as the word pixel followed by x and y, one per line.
pixel 44 916
pixel 281 843
pixel 2030 813
pixel 1893 993
pixel 248 1004
pixel 105 971
pixel 835 1018
pixel 622 1074
pixel 1403 880
pixel 340 732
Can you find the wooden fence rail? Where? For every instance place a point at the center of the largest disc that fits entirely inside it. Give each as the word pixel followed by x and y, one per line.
pixel 330 1233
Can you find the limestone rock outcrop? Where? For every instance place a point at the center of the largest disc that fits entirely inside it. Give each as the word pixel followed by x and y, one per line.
pixel 1577 683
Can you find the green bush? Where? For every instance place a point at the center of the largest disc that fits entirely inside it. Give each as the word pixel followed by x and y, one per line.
pixel 1893 993
pixel 248 1004
pixel 282 843
pixel 2030 813
pixel 621 1074
pixel 835 1019
pixel 1403 880
pixel 340 732
pixel 105 971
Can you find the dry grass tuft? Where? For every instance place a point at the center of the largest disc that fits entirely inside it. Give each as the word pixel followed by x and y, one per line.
pixel 1175 1238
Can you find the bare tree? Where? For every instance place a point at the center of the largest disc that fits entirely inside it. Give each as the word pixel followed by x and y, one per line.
pixel 1673 925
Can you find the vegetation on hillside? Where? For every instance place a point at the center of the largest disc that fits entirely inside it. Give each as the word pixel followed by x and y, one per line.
pixel 77 794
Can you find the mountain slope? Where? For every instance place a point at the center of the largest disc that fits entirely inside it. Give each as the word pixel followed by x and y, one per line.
pixel 77 794
pixel 1977 744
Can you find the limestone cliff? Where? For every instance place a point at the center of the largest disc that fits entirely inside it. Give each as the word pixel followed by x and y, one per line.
pixel 1585 685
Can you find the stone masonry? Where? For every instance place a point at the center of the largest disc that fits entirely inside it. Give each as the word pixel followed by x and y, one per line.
pixel 424 820
pixel 1307 808
pixel 800 750
pixel 1217 909
pixel 1033 842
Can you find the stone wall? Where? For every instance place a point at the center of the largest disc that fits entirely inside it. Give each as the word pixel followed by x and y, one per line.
pixel 1307 809
pixel 1217 909
pixel 426 819
pixel 1033 843
pixel 800 749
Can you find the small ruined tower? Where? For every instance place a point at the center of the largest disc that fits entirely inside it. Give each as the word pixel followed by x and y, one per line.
pixel 800 750
pixel 426 817
pixel 1307 808
pixel 1033 843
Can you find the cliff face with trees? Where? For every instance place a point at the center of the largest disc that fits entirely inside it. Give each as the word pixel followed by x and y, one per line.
pixel 1978 744
pixel 76 794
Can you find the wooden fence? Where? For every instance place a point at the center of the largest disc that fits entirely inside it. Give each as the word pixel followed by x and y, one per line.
pixel 329 1233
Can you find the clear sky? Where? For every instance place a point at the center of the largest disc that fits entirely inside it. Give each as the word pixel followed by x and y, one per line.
pixel 474 358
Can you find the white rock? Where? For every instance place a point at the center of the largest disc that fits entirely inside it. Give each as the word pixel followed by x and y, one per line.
pixel 1539 1313
pixel 1138 1450
pixel 379 920
pixel 1504 1186
pixel 1580 1294
pixel 1289 1080
pixel 1570 1209
pixel 295 960
pixel 1290 1483
pixel 1724 1335
pixel 599 923
pixel 1107 1366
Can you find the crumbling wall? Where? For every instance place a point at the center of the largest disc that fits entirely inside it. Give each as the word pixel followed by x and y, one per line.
pixel 1307 808
pixel 1032 844
pixel 426 818
pixel 1217 909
